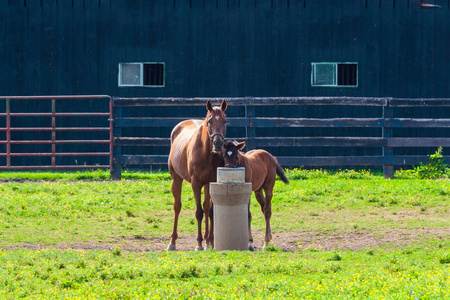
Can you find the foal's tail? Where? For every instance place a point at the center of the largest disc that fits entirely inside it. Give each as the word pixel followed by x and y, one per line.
pixel 280 173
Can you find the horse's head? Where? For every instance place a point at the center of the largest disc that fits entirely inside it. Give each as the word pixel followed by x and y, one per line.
pixel 216 125
pixel 231 153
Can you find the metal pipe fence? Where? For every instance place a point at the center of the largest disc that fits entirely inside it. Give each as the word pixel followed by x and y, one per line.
pixel 53 141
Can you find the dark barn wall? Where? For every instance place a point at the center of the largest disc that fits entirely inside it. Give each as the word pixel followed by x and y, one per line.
pixel 224 47
pixel 228 48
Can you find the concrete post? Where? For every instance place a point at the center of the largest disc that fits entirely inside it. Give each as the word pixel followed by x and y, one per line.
pixel 231 197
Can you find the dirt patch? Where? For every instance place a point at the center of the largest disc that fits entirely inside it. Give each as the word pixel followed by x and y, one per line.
pixel 288 241
pixel 358 239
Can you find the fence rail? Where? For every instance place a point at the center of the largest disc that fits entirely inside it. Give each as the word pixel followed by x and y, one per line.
pixel 251 121
pixel 53 129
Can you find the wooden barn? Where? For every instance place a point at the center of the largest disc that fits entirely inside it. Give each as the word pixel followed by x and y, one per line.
pixel 245 49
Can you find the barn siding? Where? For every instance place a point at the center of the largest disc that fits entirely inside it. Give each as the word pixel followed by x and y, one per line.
pixel 224 48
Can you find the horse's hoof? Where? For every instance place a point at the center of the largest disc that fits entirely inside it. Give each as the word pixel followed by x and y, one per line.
pixel 199 249
pixel 171 248
pixel 209 247
pixel 251 247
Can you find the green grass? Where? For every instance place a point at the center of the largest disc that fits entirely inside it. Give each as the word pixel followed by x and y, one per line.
pixel 51 212
pixel 412 273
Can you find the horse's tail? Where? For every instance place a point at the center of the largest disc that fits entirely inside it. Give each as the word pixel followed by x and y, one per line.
pixel 280 173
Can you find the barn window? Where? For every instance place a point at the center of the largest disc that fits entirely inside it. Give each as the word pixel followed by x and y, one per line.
pixel 334 74
pixel 142 74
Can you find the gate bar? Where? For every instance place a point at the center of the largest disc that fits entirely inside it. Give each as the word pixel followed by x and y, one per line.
pixel 53 129
pixel 56 129
pixel 56 154
pixel 53 133
pixel 8 134
pixel 71 114
pixel 44 142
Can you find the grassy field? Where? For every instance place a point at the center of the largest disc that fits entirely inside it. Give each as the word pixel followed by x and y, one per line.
pixel 339 235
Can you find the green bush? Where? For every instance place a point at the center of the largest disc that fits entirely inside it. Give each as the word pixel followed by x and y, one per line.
pixel 435 168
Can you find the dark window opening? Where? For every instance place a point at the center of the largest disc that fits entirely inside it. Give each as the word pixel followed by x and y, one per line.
pixel 154 74
pixel 347 74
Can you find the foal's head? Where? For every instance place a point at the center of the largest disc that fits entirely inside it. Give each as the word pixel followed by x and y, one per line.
pixel 217 125
pixel 231 153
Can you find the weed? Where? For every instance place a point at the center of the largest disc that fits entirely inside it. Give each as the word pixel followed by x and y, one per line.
pixel 297 174
pixel 405 174
pixel 271 247
pixel 435 168
pixel 130 214
pixel 151 220
pixel 190 272
pixel 445 259
pixel 67 284
pixel 217 270
pixel 331 268
pixel 117 251
pixel 230 268
pixel 335 257
pixel 139 236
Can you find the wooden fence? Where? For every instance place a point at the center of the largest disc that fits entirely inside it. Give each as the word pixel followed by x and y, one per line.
pixel 389 119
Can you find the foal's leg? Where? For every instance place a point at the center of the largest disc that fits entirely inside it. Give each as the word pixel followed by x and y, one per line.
pixel 206 208
pixel 197 189
pixel 251 247
pixel 268 214
pixel 177 184
pixel 260 198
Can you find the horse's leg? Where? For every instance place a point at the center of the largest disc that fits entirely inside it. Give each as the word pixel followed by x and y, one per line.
pixel 177 184
pixel 211 227
pixel 206 208
pixel 260 198
pixel 250 237
pixel 268 214
pixel 197 189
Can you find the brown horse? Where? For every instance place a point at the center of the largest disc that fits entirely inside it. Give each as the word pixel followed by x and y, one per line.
pixel 261 169
pixel 195 154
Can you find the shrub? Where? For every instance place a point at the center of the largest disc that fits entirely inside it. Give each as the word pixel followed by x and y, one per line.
pixel 435 168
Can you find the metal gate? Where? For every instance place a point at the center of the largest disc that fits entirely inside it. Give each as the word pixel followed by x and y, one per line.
pixel 53 129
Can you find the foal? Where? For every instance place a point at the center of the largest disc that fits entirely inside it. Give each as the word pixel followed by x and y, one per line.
pixel 261 169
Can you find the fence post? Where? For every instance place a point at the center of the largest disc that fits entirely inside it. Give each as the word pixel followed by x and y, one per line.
pixel 388 153
pixel 250 132
pixel 116 172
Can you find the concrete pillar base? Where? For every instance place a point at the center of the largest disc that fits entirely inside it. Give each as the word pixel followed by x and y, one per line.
pixel 231 202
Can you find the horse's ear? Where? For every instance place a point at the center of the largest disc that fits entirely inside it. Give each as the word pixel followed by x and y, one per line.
pixel 241 145
pixel 223 106
pixel 209 106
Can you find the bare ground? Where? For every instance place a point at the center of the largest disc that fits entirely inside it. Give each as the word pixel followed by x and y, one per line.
pixel 287 241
